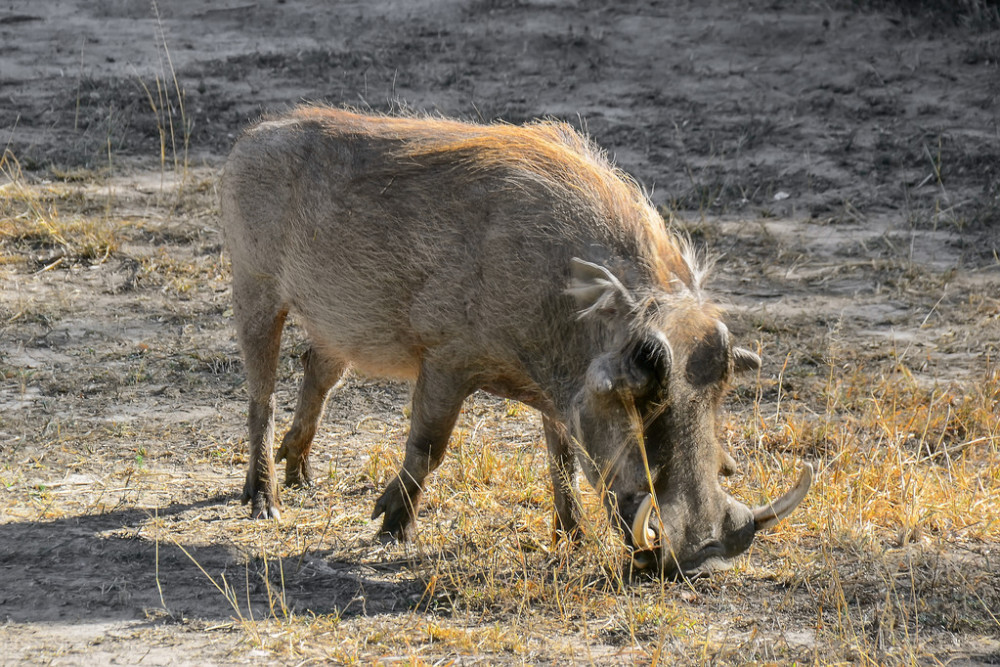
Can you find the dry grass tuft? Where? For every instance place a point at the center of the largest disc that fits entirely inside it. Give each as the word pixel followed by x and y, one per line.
pixel 35 229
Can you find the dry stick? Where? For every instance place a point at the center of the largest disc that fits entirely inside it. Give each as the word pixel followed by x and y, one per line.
pixel 50 266
pixel 159 124
pixel 159 587
pixel 225 592
pixel 948 451
pixel 329 519
pixel 637 428
pixel 164 92
pixel 281 571
pixel 110 198
pixel 6 148
pixel 603 488
pixel 177 92
pixel 79 79
pixel 781 376
pixel 165 110
pixel 267 581
pixel 246 582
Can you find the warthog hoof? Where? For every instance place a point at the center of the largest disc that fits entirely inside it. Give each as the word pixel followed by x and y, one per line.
pixel 398 507
pixel 572 535
pixel 262 505
pixel 298 472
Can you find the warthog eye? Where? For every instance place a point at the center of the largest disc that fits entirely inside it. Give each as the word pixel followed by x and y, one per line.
pixel 642 367
pixel 647 364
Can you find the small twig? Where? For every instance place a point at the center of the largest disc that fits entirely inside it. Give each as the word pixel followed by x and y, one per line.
pixel 50 266
pixel 931 312
pixel 948 451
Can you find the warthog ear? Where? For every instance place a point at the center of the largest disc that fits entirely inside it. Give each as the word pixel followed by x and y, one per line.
pixel 597 290
pixel 745 361
pixel 709 360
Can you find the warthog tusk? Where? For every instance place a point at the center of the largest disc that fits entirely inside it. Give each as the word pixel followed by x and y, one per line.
pixel 642 534
pixel 766 516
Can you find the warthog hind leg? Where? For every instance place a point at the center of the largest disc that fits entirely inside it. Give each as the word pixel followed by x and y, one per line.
pixel 259 321
pixel 320 374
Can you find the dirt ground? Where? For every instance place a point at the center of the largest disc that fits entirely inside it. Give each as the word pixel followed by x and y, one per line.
pixel 843 162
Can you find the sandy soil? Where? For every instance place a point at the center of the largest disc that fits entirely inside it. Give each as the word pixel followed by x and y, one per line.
pixel 844 163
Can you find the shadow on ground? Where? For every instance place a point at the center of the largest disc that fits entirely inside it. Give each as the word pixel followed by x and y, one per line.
pixel 92 568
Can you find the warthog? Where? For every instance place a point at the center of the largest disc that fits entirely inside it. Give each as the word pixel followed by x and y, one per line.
pixel 512 259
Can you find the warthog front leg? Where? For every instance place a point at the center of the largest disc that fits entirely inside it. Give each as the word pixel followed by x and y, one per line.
pixel 259 322
pixel 562 469
pixel 320 374
pixel 437 400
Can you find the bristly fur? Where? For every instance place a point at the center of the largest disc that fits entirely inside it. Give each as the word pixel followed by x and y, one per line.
pixel 549 155
pixel 550 159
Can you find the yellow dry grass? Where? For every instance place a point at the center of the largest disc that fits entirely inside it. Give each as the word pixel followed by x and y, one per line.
pixel 31 219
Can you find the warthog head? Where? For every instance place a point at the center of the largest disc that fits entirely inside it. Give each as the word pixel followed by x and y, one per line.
pixel 646 419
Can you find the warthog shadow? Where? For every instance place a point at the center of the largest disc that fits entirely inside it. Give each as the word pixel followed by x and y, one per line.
pixel 90 568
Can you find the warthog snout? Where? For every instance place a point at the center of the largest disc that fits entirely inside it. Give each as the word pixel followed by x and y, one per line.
pixel 739 526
